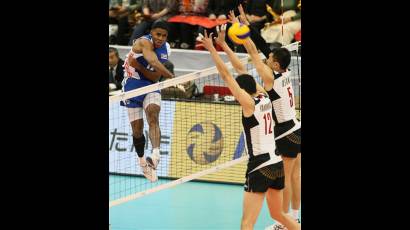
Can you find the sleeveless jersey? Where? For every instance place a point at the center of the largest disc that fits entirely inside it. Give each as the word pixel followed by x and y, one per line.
pixel 283 102
pixel 259 135
pixel 162 53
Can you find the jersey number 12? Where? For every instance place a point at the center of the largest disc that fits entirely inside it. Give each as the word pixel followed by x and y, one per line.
pixel 268 129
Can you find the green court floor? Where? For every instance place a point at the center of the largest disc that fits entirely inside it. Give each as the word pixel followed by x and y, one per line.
pixel 192 205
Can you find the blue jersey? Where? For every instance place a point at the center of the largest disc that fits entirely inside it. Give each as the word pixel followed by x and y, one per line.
pixel 135 79
pixel 162 53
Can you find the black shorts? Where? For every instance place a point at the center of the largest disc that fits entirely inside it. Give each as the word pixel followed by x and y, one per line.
pixel 270 176
pixel 289 145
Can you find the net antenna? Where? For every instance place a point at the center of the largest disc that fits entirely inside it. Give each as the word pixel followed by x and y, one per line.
pixel 282 17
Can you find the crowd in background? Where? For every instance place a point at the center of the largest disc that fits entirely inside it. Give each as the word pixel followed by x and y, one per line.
pixel 130 19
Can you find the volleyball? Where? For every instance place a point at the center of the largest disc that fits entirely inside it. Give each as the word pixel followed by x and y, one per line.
pixel 205 143
pixel 238 33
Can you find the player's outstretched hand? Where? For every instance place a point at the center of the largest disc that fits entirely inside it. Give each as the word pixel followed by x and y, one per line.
pixel 232 18
pixel 242 15
pixel 221 34
pixel 205 40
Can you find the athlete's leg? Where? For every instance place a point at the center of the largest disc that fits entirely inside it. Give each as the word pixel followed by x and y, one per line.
pixel 152 103
pixel 152 107
pixel 152 112
pixel 138 140
pixel 274 199
pixel 137 126
pixel 288 165
pixel 252 204
pixel 296 190
pixel 138 136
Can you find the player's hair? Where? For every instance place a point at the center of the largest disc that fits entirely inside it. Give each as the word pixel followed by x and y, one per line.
pixel 160 24
pixel 115 51
pixel 282 55
pixel 247 82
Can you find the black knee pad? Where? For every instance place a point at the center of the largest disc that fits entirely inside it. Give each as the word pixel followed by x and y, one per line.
pixel 139 144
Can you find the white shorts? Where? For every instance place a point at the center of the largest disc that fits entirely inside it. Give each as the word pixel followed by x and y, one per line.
pixel 137 113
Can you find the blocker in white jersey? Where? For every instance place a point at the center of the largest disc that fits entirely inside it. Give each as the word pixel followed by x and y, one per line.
pixel 283 101
pixel 265 168
pixel 287 126
pixel 276 80
pixel 256 109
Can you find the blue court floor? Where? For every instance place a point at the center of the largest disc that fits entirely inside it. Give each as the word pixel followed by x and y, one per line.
pixel 192 205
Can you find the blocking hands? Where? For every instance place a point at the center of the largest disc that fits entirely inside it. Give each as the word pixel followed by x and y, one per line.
pixel 206 40
pixel 221 30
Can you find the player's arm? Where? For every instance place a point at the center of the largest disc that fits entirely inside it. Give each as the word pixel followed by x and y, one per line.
pixel 260 89
pixel 263 70
pixel 255 34
pixel 236 63
pixel 152 59
pixel 246 101
pixel 151 75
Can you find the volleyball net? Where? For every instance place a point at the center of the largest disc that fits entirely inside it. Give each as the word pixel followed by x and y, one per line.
pixel 201 131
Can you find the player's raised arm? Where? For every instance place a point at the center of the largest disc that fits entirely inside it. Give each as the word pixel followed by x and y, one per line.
pixel 152 59
pixel 255 35
pixel 236 63
pixel 260 88
pixel 246 101
pixel 263 70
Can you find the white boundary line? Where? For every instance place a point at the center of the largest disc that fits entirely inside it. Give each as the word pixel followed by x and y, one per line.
pixel 177 182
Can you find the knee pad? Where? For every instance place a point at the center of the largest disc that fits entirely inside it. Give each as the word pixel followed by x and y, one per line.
pixel 139 144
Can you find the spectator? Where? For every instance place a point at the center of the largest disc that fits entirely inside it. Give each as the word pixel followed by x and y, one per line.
pixel 153 10
pixel 121 12
pixel 291 22
pixel 182 35
pixel 219 9
pixel 116 71
pixel 256 13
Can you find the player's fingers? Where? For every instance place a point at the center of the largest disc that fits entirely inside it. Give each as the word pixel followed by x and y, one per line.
pixel 230 19
pixel 200 37
pixel 210 35
pixel 217 29
pixel 240 8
